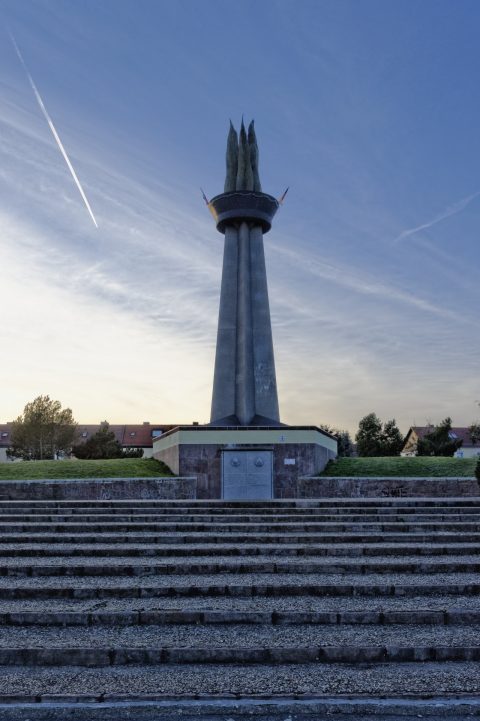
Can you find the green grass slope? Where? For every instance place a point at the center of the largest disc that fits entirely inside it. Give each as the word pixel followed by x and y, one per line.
pixel 112 468
pixel 396 466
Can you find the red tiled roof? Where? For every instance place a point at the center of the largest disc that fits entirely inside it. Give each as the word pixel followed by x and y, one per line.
pixel 137 435
pixel 460 432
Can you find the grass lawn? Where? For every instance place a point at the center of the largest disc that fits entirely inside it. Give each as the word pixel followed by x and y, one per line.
pixel 112 468
pixel 396 466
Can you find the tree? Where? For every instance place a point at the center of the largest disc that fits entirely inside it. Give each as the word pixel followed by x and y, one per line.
pixel 392 439
pixel 369 436
pixel 344 441
pixel 102 444
pixel 373 439
pixel 345 444
pixel 44 430
pixel 439 442
pixel 474 431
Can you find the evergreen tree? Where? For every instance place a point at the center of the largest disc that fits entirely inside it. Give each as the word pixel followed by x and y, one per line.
pixel 392 439
pixel 369 436
pixel 102 444
pixel 439 442
pixel 474 431
pixel 344 441
pixel 345 444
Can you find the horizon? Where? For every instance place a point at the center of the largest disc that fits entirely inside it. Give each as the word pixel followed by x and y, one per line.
pixel 369 112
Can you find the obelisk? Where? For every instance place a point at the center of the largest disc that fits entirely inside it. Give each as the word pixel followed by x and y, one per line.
pixel 244 385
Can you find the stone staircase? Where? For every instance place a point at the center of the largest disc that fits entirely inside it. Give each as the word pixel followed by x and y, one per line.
pixel 281 609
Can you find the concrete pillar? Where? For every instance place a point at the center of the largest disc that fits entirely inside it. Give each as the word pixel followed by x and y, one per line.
pixel 266 397
pixel 223 398
pixel 245 382
pixel 244 385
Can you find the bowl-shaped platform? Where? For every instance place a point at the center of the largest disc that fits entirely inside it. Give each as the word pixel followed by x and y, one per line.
pixel 243 205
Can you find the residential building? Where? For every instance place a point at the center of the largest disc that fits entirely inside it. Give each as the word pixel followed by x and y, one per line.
pixel 468 449
pixel 131 436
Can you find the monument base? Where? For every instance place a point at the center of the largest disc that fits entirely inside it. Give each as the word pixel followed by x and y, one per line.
pixel 245 462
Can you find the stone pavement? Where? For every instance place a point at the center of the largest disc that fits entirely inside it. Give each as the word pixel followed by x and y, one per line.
pixel 328 608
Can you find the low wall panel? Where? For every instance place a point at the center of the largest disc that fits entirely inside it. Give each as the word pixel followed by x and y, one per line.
pixel 99 489
pixel 331 487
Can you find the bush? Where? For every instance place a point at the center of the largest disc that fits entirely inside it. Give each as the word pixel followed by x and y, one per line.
pixel 102 444
pixel 132 453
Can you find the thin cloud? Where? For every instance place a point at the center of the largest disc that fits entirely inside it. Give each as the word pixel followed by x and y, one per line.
pixel 447 213
pixel 346 279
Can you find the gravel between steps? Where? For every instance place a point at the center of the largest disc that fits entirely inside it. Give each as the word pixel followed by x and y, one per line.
pixel 331 515
pixel 219 547
pixel 372 680
pixel 236 636
pixel 270 579
pixel 294 604
pixel 217 559
pixel 255 552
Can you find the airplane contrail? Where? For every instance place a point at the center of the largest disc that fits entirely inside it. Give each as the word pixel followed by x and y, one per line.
pixel 447 213
pixel 52 128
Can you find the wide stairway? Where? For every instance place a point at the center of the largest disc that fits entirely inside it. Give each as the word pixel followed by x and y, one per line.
pixel 314 605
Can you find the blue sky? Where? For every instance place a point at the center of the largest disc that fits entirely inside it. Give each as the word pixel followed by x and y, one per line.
pixel 369 110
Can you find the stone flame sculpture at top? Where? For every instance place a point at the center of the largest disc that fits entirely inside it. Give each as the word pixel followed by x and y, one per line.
pixel 244 386
pixel 242 160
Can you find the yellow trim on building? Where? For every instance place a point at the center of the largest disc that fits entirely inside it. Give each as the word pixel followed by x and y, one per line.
pixel 241 438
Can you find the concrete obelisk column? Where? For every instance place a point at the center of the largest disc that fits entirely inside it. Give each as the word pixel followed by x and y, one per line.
pixel 245 452
pixel 244 385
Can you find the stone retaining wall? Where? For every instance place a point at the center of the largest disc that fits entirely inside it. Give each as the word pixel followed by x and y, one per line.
pixel 396 487
pixel 99 489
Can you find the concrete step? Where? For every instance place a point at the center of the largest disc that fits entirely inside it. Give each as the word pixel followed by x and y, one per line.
pixel 261 707
pixel 182 588
pixel 241 643
pixel 244 550
pixel 176 511
pixel 155 655
pixel 253 528
pixel 212 538
pixel 166 617
pixel 151 588
pixel 265 506
pixel 152 516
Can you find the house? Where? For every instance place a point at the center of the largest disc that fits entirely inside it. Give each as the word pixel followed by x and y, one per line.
pixel 132 436
pixel 466 450
pixel 5 429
